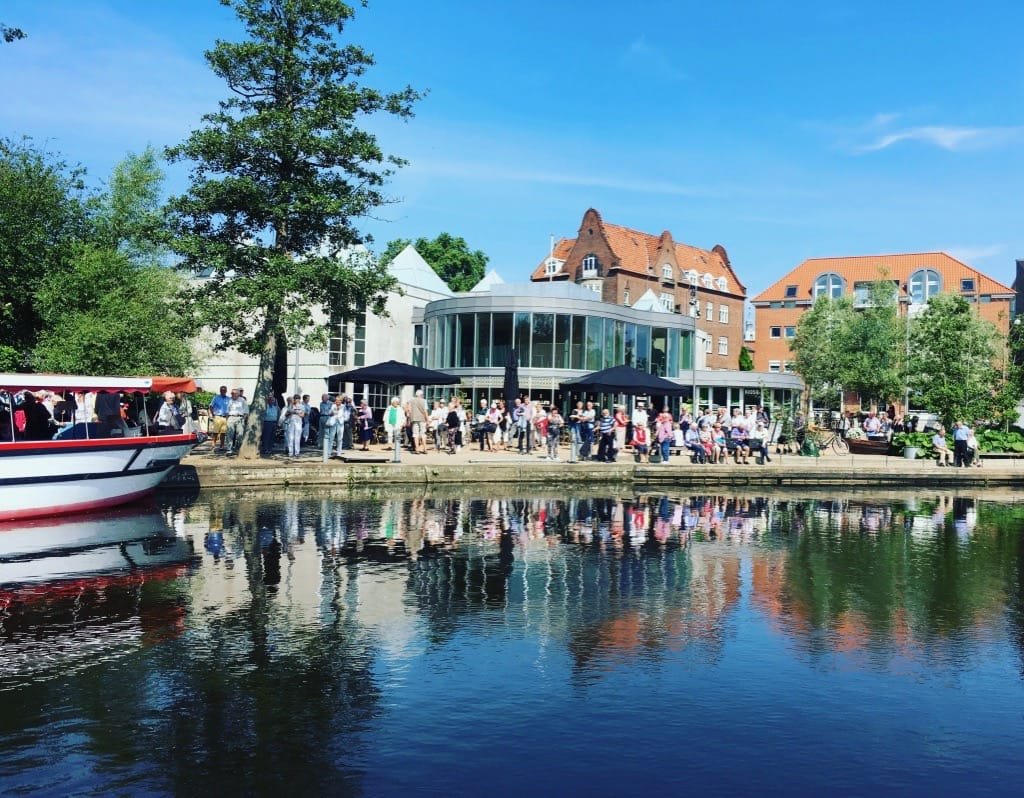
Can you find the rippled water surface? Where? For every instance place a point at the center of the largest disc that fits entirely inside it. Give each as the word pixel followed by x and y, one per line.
pixel 297 644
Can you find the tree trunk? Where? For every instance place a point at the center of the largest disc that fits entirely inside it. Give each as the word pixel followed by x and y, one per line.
pixel 257 407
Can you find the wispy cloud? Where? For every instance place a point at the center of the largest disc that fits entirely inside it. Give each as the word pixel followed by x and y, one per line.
pixel 970 255
pixel 947 137
pixel 644 57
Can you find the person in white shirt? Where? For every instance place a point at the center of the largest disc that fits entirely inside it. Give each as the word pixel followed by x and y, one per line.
pixel 238 412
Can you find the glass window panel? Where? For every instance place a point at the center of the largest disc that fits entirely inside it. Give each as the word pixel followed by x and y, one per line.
pixel 629 345
pixel 619 356
pixel 542 356
pixel 467 342
pixel 659 351
pixel 609 343
pixel 577 352
pixel 685 351
pixel 449 341
pixel 501 338
pixel 673 353
pixel 521 337
pixel 643 347
pixel 483 339
pixel 563 340
pixel 595 343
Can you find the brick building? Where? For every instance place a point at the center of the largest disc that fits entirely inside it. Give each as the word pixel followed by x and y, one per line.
pixel 622 265
pixel 918 275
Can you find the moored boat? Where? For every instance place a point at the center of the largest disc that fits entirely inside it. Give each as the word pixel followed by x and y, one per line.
pixel 868 446
pixel 81 473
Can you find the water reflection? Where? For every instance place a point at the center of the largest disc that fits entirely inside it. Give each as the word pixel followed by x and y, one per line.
pixel 286 619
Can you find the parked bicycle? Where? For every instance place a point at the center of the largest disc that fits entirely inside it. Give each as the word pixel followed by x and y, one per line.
pixel 825 438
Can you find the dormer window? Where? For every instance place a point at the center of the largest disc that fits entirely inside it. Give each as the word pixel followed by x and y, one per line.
pixel 967 285
pixel 666 271
pixel 829 284
pixel 590 266
pixel 708 280
pixel 552 266
pixel 692 277
pixel 923 285
pixel 791 292
pixel 721 283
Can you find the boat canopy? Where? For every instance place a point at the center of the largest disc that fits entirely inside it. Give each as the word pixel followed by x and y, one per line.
pixel 71 382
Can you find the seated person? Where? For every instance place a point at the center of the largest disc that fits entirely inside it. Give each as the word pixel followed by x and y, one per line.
pixel 39 424
pixel 678 437
pixel 758 443
pixel 942 452
pixel 708 442
pixel 738 444
pixel 641 442
pixel 694 445
pixel 720 442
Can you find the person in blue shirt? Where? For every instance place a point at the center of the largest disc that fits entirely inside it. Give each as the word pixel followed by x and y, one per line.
pixel 961 454
pixel 219 418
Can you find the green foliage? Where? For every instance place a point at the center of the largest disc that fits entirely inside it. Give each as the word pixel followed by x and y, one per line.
pixel 873 346
pixel 746 361
pixel 819 346
pixel 42 217
pixel 451 257
pixel 281 174
pixel 953 365
pixel 9 34
pixel 10 359
pixel 920 440
pixel 995 440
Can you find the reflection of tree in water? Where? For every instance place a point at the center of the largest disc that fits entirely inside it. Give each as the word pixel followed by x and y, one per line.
pixel 886 579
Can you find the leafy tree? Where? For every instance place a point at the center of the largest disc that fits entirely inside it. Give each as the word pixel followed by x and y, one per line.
pixel 10 34
pixel 42 218
pixel 955 363
pixel 113 310
pixel 819 346
pixel 746 361
pixel 281 174
pixel 451 257
pixel 874 346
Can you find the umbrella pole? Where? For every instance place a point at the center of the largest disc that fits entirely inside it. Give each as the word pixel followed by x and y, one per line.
pixel 397 434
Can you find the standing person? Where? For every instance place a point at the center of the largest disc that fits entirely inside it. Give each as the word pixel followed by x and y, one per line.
pixel 324 409
pixel 271 417
pixel 664 432
pixel 621 422
pixel 238 412
pixel 293 419
pixel 961 455
pixel 439 424
pixel 493 431
pixel 526 425
pixel 347 422
pixel 606 437
pixel 483 427
pixel 219 414
pixel 418 418
pixel 307 419
pixel 501 436
pixel 38 421
pixel 540 425
pixel 576 430
pixel 460 435
pixel 168 418
pixel 331 424
pixel 364 420
pixel 188 411
pixel 394 422
pixel 555 424
pixel 587 430
pixel 452 424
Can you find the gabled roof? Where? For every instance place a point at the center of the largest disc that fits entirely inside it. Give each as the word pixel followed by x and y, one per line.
pixel 487 282
pixel 650 302
pixel 867 268
pixel 637 253
pixel 410 269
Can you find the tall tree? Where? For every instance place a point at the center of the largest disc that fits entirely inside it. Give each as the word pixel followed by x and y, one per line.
pixel 42 218
pixel 873 345
pixel 113 310
pixel 460 267
pixel 955 363
pixel 282 172
pixel 819 346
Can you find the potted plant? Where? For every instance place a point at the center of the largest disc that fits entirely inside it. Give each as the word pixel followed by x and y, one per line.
pixel 913 444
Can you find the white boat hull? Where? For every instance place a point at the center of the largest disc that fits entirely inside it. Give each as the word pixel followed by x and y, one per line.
pixel 44 478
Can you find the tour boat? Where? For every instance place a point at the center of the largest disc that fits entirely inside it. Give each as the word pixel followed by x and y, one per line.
pixel 52 477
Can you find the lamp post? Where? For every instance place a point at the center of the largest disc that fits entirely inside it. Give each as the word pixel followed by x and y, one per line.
pixel 694 314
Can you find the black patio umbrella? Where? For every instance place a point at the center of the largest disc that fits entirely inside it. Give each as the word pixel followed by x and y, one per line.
pixel 510 387
pixel 624 379
pixel 392 372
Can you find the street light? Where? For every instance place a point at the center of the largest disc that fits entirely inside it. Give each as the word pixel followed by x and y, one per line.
pixel 694 314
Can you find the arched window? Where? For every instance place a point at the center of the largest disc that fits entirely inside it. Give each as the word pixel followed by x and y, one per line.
pixel 666 271
pixel 708 279
pixel 692 277
pixel 829 284
pixel 721 284
pixel 590 266
pixel 923 285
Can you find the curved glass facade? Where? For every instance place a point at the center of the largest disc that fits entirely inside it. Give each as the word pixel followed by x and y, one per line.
pixel 561 341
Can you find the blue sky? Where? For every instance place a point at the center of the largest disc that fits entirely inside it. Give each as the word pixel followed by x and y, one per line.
pixel 780 129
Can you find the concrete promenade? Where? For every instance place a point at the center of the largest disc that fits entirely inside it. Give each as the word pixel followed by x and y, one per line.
pixel 470 467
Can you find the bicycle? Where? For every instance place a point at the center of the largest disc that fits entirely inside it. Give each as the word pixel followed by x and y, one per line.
pixel 834 438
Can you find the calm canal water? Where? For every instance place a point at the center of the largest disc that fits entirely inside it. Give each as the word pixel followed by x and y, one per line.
pixel 291 644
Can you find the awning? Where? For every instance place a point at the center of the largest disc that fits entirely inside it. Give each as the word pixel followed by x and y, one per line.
pixel 71 382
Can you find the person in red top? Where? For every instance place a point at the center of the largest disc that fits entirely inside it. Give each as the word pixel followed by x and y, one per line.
pixel 641 443
pixel 620 428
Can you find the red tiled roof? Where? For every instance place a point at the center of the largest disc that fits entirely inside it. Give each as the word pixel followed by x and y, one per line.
pixel 637 251
pixel 865 268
